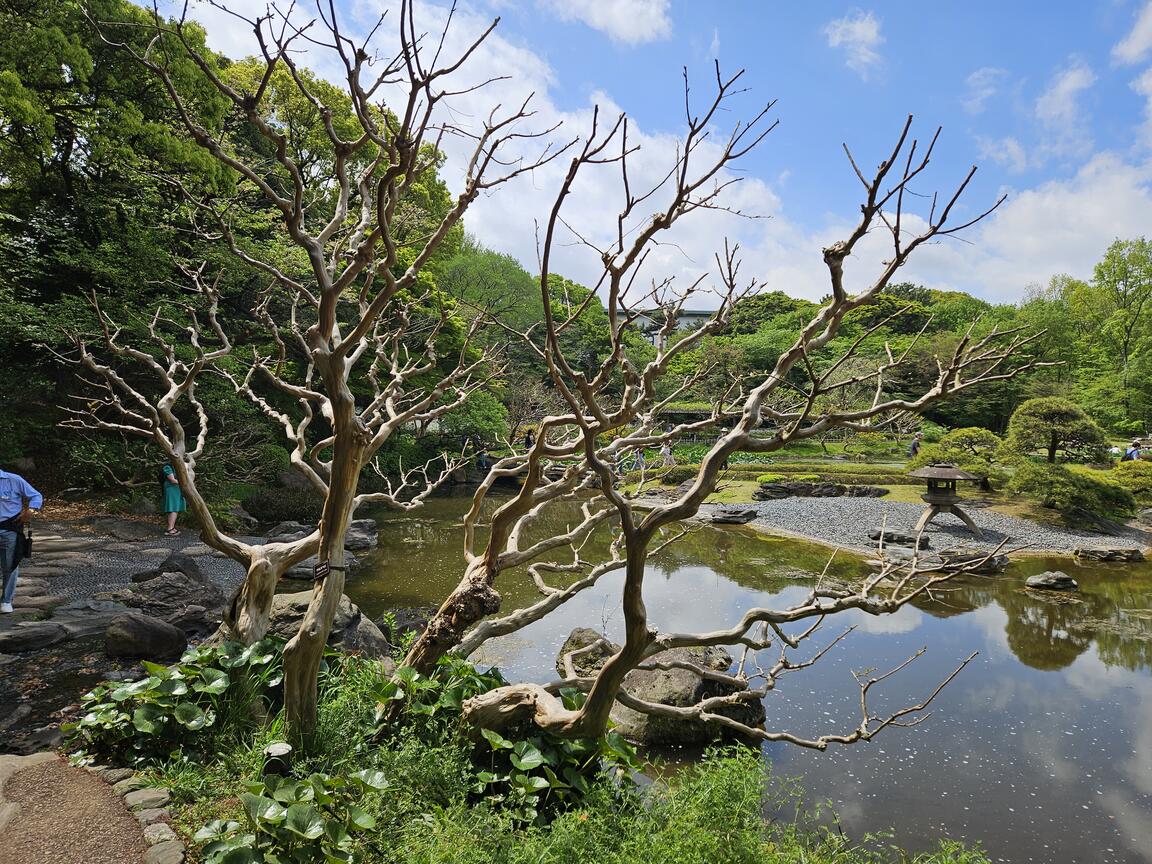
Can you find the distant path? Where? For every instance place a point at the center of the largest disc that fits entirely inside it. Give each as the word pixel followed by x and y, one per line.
pixel 845 522
pixel 52 812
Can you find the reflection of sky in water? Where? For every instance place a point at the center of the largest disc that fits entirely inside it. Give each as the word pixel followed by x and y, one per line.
pixel 1041 750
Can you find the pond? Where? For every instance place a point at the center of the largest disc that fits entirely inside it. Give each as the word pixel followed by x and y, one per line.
pixel 1041 750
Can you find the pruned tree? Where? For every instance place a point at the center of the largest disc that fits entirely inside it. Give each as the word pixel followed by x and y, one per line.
pixel 354 324
pixel 616 410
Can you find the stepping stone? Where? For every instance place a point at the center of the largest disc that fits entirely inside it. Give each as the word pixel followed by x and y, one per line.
pixel 169 852
pixel 151 816
pixel 42 571
pixel 28 636
pixel 158 832
pixel 147 799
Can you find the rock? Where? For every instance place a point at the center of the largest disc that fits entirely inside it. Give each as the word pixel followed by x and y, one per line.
pixel 124 529
pixel 362 534
pixel 675 687
pixel 144 506
pixel 143 637
pixel 897 538
pixel 129 784
pixel 115 775
pixel 168 852
pixel 31 635
pixel 172 596
pixel 289 528
pixel 958 559
pixel 1144 517
pixel 733 515
pixel 1109 554
pixel 1052 580
pixel 242 516
pixel 147 799
pixel 152 816
pixel 176 562
pixel 158 832
pixel 352 631
pixel 801 489
pixel 306 569
pixel 82 618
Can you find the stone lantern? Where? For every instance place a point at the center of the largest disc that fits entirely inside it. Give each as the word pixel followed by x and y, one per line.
pixel 941 496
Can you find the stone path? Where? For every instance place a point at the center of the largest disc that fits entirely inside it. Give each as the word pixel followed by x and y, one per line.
pixel 52 812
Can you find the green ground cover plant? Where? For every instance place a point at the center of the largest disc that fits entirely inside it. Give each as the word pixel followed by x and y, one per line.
pixel 432 793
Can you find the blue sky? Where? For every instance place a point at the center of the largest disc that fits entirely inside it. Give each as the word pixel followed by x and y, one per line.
pixel 1049 99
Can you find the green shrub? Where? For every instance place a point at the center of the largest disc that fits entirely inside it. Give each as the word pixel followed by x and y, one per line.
pixel 150 718
pixel 1136 477
pixel 289 820
pixel 533 776
pixel 788 478
pixel 280 504
pixel 1071 492
pixel 970 449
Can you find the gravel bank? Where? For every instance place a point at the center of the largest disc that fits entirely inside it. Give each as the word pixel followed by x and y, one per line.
pixel 83 563
pixel 845 522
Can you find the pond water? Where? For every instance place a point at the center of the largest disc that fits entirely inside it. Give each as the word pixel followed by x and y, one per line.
pixel 1041 750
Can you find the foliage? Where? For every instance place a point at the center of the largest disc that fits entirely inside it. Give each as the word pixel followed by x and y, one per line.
pixel 1071 493
pixel 284 504
pixel 788 478
pixel 535 776
pixel 291 821
pixel 151 718
pixel 1054 425
pixel 482 417
pixel 871 445
pixel 1136 477
pixel 971 449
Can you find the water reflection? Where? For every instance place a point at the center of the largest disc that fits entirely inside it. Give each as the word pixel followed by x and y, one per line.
pixel 1043 744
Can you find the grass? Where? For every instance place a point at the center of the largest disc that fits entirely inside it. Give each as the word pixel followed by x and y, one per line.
pixel 710 812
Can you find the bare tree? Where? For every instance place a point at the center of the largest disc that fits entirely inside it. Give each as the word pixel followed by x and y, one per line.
pixel 616 411
pixel 354 307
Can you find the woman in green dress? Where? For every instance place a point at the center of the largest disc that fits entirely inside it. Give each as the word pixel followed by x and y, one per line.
pixel 173 499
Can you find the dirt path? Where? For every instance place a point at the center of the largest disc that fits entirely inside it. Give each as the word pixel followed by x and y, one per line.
pixel 50 811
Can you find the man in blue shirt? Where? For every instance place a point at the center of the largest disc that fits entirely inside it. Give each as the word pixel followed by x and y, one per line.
pixel 18 501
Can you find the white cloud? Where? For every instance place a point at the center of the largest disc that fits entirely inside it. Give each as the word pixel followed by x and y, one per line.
pixel 1059 111
pixel 714 48
pixel 1143 86
pixel 1062 226
pixel 629 21
pixel 1004 151
pixel 1135 46
pixel 982 84
pixel 1060 103
pixel 859 35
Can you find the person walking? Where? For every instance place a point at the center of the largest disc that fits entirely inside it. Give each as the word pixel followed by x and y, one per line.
pixel 666 454
pixel 174 502
pixel 18 503
pixel 914 447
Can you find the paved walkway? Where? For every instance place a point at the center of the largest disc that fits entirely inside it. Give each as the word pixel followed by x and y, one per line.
pixel 52 812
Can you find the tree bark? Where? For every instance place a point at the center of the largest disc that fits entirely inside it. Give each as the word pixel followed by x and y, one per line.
pixel 304 652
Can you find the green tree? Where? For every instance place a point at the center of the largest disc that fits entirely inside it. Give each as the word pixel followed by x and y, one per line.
pixel 971 449
pixel 1053 425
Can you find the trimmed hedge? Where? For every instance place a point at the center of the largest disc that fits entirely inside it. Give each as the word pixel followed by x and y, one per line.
pixel 850 474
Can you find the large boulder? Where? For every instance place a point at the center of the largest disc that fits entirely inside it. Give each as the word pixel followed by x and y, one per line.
pixel 1052 580
pixel 1109 554
pixel 176 562
pixel 674 687
pixel 143 637
pixel 31 636
pixel 733 515
pixel 803 489
pixel 182 597
pixel 352 631
pixel 898 538
pixel 362 534
pixel 306 569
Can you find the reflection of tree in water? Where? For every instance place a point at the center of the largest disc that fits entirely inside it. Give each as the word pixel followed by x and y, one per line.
pixel 1128 648
pixel 1040 634
pixel 962 594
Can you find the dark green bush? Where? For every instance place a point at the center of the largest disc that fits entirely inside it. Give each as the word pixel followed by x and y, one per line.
pixel 1135 477
pixel 279 504
pixel 1069 492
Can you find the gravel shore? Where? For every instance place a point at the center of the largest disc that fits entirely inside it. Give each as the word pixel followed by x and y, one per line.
pixel 845 522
